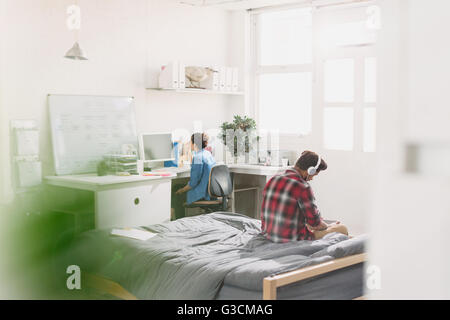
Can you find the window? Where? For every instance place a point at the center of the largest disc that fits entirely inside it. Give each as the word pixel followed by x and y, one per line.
pixel 349 78
pixel 285 99
pixel 284 71
pixel 348 34
pixel 338 128
pixel 339 80
pixel 285 37
pixel 370 80
pixel 370 98
pixel 370 121
pixel 339 93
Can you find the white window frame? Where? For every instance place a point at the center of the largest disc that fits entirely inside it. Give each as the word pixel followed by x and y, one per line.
pixel 359 53
pixel 256 69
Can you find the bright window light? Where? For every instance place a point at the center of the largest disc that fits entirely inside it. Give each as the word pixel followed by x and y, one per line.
pixel 339 80
pixel 285 37
pixel 338 128
pixel 285 102
pixel 348 34
pixel 370 80
pixel 370 130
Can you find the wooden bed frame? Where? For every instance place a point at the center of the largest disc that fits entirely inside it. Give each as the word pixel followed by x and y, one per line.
pixel 270 284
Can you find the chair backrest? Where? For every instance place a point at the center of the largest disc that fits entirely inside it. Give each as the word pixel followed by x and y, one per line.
pixel 220 184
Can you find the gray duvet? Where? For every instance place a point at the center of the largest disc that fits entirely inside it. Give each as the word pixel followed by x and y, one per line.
pixel 191 258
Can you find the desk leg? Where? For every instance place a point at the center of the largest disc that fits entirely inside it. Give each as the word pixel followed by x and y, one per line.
pixel 253 184
pixel 258 199
pixel 233 196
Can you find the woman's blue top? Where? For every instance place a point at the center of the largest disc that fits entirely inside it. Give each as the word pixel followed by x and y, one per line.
pixel 202 162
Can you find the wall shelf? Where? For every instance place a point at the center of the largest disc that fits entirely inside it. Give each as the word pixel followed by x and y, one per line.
pixel 199 91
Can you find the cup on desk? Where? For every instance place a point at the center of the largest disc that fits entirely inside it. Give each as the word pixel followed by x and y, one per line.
pixel 285 162
pixel 140 167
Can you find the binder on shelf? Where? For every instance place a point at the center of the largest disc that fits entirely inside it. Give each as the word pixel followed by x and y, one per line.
pixel 222 78
pixel 229 79
pixel 212 82
pixel 235 80
pixel 208 83
pixel 169 76
pixel 215 79
pixel 181 76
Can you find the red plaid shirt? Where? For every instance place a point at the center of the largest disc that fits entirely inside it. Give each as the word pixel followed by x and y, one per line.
pixel 287 206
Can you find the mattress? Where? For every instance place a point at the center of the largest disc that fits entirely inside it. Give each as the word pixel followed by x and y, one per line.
pixel 219 255
pixel 343 284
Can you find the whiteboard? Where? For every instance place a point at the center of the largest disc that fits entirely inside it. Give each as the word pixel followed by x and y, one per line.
pixel 85 128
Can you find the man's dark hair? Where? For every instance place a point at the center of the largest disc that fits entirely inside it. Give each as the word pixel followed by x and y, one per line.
pixel 200 140
pixel 309 159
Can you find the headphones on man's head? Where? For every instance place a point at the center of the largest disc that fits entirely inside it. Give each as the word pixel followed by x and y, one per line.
pixel 312 170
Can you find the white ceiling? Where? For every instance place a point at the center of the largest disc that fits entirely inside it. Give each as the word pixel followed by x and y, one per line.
pixel 240 4
pixel 255 4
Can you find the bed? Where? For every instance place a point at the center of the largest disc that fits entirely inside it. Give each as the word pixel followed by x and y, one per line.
pixel 219 255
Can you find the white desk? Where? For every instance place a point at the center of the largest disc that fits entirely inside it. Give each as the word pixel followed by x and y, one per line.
pixel 182 172
pixel 252 169
pixel 259 170
pixel 129 201
pixel 246 178
pixel 249 178
pixel 118 201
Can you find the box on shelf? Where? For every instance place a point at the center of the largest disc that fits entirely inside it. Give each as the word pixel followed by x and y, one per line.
pixel 222 78
pixel 169 76
pixel 235 80
pixel 212 82
pixel 173 76
pixel 229 79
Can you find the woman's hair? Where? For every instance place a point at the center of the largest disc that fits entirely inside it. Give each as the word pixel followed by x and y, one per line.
pixel 200 140
pixel 309 159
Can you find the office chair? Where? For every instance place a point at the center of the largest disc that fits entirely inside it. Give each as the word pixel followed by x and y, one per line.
pixel 220 186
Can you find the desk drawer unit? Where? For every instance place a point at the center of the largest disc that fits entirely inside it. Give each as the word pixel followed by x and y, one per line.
pixel 134 206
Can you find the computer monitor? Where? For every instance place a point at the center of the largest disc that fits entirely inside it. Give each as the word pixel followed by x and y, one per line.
pixel 156 147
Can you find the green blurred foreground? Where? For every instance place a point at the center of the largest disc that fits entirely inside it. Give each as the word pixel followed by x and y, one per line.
pixel 33 242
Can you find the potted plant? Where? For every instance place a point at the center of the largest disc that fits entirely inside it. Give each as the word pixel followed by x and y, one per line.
pixel 239 136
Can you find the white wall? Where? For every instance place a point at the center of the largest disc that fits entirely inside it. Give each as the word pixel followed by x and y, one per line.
pixel 126 43
pixel 3 115
pixel 409 219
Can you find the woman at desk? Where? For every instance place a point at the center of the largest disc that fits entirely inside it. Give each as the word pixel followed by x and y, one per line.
pixel 197 187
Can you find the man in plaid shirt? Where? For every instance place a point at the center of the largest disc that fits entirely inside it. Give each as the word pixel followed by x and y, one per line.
pixel 288 211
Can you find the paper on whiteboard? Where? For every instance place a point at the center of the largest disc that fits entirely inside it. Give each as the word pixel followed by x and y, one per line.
pixel 133 233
